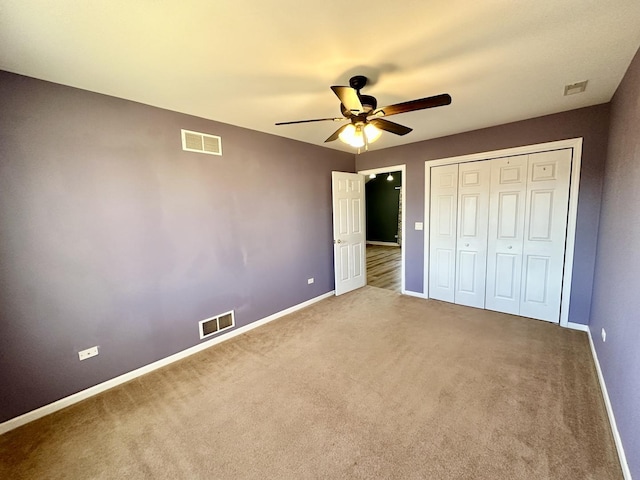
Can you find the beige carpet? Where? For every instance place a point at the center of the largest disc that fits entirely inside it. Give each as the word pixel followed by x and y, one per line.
pixel 369 385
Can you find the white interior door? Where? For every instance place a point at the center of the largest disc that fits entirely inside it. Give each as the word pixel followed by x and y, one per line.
pixel 349 249
pixel 442 232
pixel 506 233
pixel 545 234
pixel 471 245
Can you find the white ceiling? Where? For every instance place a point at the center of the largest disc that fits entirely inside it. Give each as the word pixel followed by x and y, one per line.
pixel 253 63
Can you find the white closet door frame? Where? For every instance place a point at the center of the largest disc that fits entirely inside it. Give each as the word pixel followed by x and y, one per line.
pixel 573 143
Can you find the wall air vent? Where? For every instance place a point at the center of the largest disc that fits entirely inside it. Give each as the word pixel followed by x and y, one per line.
pixel 201 142
pixel 217 324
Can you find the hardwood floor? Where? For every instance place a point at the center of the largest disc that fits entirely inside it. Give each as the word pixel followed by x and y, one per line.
pixel 384 266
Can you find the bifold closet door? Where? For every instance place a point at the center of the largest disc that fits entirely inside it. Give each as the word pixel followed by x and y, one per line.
pixel 497 233
pixel 545 234
pixel 506 233
pixel 442 232
pixel 471 244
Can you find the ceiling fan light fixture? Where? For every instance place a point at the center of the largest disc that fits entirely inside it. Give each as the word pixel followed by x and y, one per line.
pixel 390 178
pixel 372 132
pixel 353 135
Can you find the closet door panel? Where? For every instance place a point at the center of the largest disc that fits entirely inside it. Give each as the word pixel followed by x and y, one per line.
pixel 498 233
pixel 506 233
pixel 545 234
pixel 442 232
pixel 471 245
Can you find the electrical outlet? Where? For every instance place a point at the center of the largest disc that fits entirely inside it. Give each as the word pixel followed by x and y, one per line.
pixel 88 353
pixel 604 335
pixel 310 280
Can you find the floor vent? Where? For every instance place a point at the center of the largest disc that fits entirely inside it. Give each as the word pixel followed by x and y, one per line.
pixel 201 142
pixel 213 325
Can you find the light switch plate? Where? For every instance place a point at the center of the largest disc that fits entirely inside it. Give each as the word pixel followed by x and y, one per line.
pixel 419 226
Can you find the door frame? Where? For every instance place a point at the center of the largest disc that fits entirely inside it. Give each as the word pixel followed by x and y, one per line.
pixel 574 188
pixel 403 205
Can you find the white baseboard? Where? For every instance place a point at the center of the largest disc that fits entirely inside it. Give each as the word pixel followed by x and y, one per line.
pixel 578 326
pixel 101 387
pixel 414 294
pixel 612 420
pixel 384 244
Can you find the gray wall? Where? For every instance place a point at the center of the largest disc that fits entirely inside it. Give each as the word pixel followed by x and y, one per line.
pixel 111 235
pixel 590 123
pixel 616 294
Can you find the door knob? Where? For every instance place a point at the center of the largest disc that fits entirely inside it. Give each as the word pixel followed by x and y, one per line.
pixel 466 244
pixel 509 247
pixel 339 241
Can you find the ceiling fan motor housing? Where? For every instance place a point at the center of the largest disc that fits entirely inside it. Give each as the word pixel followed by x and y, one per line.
pixel 368 102
pixel 358 82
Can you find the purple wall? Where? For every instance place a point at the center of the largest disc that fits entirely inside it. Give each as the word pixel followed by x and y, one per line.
pixel 590 123
pixel 616 293
pixel 111 235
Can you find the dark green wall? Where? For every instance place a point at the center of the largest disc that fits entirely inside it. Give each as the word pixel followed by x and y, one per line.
pixel 383 202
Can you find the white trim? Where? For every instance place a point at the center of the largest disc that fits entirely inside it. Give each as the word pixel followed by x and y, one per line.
pixel 414 294
pixel 403 191
pixel 574 189
pixel 508 152
pixel 578 326
pixel 425 227
pixel 114 382
pixel 383 244
pixel 573 143
pixel 612 419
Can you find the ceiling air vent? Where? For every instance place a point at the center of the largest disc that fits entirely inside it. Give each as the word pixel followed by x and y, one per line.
pixel 574 88
pixel 216 324
pixel 201 142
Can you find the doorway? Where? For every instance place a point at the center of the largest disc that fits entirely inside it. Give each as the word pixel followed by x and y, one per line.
pixel 385 213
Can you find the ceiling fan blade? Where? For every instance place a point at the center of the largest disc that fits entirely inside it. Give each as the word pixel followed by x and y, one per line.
pixel 336 134
pixel 412 105
pixel 313 120
pixel 349 98
pixel 388 126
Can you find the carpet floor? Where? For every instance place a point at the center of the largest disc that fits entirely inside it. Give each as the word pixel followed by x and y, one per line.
pixel 368 385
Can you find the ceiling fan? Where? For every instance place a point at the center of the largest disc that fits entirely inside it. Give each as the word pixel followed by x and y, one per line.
pixel 366 122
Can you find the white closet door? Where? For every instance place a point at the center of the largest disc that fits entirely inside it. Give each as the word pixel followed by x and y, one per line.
pixel 545 234
pixel 471 251
pixel 442 232
pixel 506 233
